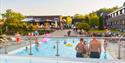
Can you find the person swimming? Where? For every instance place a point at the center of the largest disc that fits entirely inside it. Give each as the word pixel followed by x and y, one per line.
pixel 26 48
pixel 37 48
pixel 65 42
pixel 54 47
pixel 37 44
pixel 73 41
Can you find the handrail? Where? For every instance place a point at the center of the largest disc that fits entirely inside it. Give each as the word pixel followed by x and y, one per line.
pixel 57 49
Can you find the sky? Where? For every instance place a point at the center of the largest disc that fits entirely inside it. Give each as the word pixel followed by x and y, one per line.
pixel 57 7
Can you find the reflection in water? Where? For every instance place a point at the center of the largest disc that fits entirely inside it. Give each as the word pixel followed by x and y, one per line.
pixel 6 61
pixel 30 61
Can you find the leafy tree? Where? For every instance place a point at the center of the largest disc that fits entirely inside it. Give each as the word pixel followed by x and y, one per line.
pixel 79 16
pixel 1 25
pixel 124 4
pixel 94 19
pixel 87 19
pixel 100 22
pixel 106 10
pixel 84 26
pixel 13 21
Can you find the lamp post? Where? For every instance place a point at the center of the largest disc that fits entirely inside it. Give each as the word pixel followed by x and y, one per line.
pixel 5 45
pixel 6 48
pixel 57 50
pixel 30 35
pixel 119 56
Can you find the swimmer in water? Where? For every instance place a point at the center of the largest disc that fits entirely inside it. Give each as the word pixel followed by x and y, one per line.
pixel 65 42
pixel 54 47
pixel 37 49
pixel 73 41
pixel 26 48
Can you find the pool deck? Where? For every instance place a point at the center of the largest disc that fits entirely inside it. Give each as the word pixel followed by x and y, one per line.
pixel 113 50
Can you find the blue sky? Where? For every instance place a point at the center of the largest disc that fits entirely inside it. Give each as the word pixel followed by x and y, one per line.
pixel 57 7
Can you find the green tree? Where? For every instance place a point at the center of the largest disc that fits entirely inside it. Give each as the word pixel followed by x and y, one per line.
pixel 106 10
pixel 87 19
pixel 83 26
pixel 124 4
pixel 1 25
pixel 13 21
pixel 94 19
pixel 79 16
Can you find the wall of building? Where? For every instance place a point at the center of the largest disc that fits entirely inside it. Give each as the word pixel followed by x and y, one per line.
pixel 116 19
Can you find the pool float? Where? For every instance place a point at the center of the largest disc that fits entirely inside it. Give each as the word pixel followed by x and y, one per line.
pixel 44 40
pixel 69 45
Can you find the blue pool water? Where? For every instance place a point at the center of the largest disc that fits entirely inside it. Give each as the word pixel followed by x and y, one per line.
pixel 49 48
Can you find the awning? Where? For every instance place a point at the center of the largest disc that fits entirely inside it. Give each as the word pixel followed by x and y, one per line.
pixel 28 20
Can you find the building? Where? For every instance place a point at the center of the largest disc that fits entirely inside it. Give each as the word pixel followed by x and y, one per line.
pixel 116 19
pixel 40 20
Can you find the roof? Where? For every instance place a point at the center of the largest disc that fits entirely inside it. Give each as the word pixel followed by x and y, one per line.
pixel 117 10
pixel 45 16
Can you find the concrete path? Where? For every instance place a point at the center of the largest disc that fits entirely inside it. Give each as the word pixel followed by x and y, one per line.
pixel 113 49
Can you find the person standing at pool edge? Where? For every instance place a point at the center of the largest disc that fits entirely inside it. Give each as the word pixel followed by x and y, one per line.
pixel 81 48
pixel 94 48
pixel 18 39
pixel 68 33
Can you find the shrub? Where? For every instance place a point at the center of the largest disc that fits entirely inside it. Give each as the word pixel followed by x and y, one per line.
pixel 83 26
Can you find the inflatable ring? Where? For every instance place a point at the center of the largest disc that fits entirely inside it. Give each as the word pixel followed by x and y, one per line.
pixel 44 40
pixel 69 45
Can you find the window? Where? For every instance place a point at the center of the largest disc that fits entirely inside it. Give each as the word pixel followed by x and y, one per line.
pixel 117 13
pixel 124 10
pixel 123 22
pixel 121 11
pixel 113 14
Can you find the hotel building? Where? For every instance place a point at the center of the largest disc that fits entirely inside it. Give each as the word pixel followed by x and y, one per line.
pixel 116 19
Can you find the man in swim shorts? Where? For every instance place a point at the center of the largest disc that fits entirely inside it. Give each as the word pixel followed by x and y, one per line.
pixel 81 49
pixel 94 48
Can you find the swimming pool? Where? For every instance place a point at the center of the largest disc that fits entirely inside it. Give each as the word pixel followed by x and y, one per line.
pixel 66 48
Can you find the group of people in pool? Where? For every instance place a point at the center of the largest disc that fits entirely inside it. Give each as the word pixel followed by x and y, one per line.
pixel 93 50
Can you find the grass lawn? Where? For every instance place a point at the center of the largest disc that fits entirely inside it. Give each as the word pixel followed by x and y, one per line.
pixel 103 31
pixel 96 31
